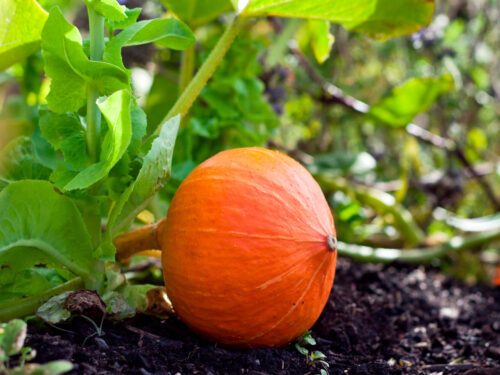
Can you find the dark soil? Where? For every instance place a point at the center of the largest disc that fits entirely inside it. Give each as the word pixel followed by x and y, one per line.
pixel 379 320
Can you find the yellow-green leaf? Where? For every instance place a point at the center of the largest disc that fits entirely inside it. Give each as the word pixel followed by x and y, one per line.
pixel 378 18
pixel 197 12
pixel 411 98
pixel 321 39
pixel 21 24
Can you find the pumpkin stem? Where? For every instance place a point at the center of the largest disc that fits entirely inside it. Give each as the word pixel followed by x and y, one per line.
pixel 136 241
pixel 331 241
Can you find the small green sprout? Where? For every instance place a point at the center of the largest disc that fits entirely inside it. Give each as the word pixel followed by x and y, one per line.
pixel 313 358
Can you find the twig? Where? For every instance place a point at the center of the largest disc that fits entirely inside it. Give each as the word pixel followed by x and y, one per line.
pixel 479 178
pixel 141 332
pixel 334 94
pixel 380 202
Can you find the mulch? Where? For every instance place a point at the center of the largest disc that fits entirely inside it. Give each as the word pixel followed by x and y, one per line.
pixel 395 319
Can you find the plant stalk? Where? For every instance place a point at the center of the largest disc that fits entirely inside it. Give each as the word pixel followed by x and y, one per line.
pixel 187 68
pixel 142 239
pixel 96 28
pixel 280 46
pixel 417 255
pixel 194 88
pixel 380 201
pixel 28 306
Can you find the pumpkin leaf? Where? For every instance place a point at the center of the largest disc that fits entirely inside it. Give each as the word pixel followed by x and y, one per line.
pixel 167 32
pixel 116 111
pixel 321 39
pixel 19 38
pixel 53 311
pixel 65 132
pixel 154 173
pixel 32 281
pixel 139 125
pixel 110 9
pixel 70 69
pixel 19 161
pixel 43 233
pixel 409 99
pixel 197 12
pixel 131 14
pixel 391 18
pixel 379 18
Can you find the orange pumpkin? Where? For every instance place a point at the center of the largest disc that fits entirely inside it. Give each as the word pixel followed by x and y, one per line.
pixel 248 249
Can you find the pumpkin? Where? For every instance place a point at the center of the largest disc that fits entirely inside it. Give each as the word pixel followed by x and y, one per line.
pixel 248 249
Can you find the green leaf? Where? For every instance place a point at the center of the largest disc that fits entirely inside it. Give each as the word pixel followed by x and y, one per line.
pixel 117 306
pixel 394 18
pixel 108 8
pixel 162 95
pixel 317 355
pixel 29 282
pixel 137 295
pixel 333 10
pixel 306 339
pixel 21 24
pixel 411 98
pixel 19 161
pixel 139 126
pixel 62 175
pixel 321 39
pixel 53 311
pixel 167 32
pixel 65 132
pixel 40 226
pixel 154 173
pixel 132 15
pixel 12 336
pixel 52 368
pixel 197 12
pixel 116 111
pixel 301 349
pixel 379 18
pixel 70 69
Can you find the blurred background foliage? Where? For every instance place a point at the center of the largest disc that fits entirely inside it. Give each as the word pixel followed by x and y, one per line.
pixel 274 88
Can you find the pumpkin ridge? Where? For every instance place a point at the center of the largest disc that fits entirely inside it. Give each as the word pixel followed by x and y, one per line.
pixel 279 277
pixel 269 192
pixel 244 234
pixel 310 203
pixel 293 306
pixel 263 285
pixel 292 163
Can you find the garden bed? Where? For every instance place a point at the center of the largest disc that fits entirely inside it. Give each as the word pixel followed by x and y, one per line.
pixel 379 320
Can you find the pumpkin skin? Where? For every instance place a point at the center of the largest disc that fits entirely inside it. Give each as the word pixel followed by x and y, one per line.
pixel 245 255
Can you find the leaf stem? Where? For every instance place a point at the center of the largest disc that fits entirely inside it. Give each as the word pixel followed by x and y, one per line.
pixel 52 252
pixel 28 306
pixel 187 68
pixel 194 88
pixel 380 201
pixel 96 28
pixel 417 255
pixel 279 48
